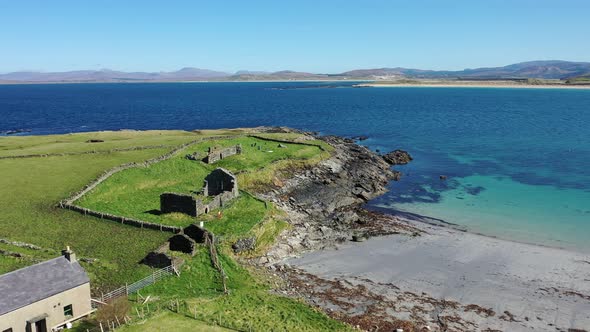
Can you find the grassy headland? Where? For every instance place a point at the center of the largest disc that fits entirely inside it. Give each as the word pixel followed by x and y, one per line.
pixel 56 166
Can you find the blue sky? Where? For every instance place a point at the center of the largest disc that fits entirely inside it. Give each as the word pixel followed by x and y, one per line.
pixel 317 36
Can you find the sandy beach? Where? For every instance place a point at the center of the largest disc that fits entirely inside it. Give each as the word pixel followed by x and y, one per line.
pixel 470 84
pixel 456 281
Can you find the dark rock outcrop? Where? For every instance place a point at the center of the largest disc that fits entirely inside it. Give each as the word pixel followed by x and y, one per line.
pixel 324 203
pixel 397 157
pixel 244 244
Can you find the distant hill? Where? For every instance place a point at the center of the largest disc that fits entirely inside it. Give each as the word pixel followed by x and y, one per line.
pixel 106 75
pixel 552 69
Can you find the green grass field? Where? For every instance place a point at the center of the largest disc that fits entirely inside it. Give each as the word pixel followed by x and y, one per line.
pixel 31 187
pixel 135 193
pixel 169 321
pixel 249 306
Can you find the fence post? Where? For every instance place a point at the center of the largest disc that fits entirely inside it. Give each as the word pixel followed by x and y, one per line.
pixel 126 289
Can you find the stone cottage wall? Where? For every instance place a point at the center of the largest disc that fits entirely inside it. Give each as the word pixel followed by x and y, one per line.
pixel 183 203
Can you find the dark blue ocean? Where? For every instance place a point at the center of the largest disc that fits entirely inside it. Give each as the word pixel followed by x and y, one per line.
pixel 517 160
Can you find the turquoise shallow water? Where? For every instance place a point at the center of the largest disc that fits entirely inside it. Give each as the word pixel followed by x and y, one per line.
pixel 500 206
pixel 517 160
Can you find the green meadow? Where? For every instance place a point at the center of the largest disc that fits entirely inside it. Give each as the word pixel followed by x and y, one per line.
pixel 31 187
pixel 135 193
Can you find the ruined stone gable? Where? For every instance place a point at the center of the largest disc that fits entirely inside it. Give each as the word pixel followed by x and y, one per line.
pixel 220 181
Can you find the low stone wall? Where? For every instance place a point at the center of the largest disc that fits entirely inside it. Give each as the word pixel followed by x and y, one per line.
pixel 123 220
pixel 136 148
pixel 286 141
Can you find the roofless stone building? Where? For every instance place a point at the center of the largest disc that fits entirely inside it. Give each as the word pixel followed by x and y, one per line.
pixel 216 154
pixel 221 185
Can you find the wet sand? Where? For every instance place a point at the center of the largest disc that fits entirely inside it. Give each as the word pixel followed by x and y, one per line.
pixel 527 287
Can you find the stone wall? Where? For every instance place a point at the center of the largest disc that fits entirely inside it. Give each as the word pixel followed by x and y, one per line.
pixel 183 203
pixel 123 220
pixel 214 155
pixel 63 154
pixel 68 203
pixel 287 141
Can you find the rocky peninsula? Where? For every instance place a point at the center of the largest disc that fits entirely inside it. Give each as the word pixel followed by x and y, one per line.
pixel 408 274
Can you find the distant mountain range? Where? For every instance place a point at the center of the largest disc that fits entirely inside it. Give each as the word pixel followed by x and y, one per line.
pixel 552 69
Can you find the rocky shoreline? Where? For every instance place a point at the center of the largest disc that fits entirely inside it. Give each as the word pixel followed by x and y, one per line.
pixel 324 203
pixel 324 206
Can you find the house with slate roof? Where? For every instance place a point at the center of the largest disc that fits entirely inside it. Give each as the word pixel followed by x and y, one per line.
pixel 44 296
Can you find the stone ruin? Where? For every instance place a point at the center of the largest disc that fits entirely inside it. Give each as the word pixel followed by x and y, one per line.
pixel 183 243
pixel 192 156
pixel 183 203
pixel 216 154
pixel 221 185
pixel 188 239
pixel 198 234
pixel 220 181
pixel 158 258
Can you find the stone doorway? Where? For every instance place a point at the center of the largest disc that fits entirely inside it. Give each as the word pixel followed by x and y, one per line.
pixel 37 324
pixel 41 325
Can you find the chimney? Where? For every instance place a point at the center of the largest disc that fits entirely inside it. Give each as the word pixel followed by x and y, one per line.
pixel 69 254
